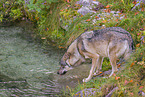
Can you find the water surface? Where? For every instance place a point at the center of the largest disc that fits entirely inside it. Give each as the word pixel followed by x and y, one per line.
pixel 29 69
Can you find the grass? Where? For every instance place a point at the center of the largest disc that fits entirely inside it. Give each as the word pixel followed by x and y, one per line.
pixel 122 5
pixel 130 79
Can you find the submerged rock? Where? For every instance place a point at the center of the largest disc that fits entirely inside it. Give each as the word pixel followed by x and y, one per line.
pixel 86 92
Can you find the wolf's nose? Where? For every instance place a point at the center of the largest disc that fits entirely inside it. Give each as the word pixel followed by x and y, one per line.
pixel 64 72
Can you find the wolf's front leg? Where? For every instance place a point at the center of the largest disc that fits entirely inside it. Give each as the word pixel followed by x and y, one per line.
pixel 94 60
pixel 99 65
pixel 113 64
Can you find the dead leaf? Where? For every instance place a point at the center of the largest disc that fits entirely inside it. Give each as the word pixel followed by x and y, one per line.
pixel 132 64
pixel 142 9
pixel 37 18
pixel 117 78
pixel 66 10
pixel 81 15
pixel 104 21
pixel 107 10
pixel 140 87
pixel 126 82
pixel 118 65
pixel 135 61
pixel 132 94
pixel 134 2
pixel 88 20
pixel 114 74
pixel 138 34
pixel 68 5
pixel 127 28
pixel 131 81
pixel 138 45
pixel 96 17
pixel 43 38
pixel 68 1
pixel 131 29
pixel 116 20
pixel 136 13
pixel 62 10
pixel 61 47
pixel 100 72
pixel 107 6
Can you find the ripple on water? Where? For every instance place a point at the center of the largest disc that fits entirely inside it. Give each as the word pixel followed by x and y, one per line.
pixel 25 69
pixel 28 70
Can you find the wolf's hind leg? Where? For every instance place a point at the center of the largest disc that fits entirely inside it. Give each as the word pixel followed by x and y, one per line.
pixel 127 54
pixel 113 59
pixel 94 60
pixel 99 65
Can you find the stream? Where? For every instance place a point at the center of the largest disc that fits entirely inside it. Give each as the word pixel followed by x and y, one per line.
pixel 28 69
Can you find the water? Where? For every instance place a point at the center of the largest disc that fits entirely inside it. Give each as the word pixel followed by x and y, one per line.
pixel 29 69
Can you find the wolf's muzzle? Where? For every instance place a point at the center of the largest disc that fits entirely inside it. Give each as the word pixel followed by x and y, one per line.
pixel 62 73
pixel 62 70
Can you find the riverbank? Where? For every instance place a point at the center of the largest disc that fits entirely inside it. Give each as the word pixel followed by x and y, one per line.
pixel 29 68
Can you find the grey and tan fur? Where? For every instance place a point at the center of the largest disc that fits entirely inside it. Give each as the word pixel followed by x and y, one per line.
pixel 110 42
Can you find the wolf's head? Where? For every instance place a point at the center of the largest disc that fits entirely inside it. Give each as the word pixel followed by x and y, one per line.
pixel 68 61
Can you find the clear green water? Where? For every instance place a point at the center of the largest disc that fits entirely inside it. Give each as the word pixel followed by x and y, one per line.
pixel 28 69
pixel 25 70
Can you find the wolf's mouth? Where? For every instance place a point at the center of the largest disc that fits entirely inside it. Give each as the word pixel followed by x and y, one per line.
pixel 62 72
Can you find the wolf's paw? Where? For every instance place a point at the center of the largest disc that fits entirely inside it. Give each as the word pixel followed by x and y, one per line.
pixel 86 79
pixel 95 74
pixel 105 77
pixel 114 71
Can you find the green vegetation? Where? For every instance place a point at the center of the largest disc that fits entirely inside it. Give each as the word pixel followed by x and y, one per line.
pixel 121 5
pixel 58 23
pixel 130 80
pixel 43 13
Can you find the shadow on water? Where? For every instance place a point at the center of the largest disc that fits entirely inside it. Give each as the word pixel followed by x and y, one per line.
pixel 29 69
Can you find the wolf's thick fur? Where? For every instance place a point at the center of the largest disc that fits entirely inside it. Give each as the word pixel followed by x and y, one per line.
pixel 110 42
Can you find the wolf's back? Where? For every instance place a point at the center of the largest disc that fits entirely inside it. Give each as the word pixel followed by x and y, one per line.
pixel 119 30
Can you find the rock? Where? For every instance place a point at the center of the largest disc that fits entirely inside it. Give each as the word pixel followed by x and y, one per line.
pixel 95 2
pixel 98 6
pixel 138 4
pixel 84 10
pixel 84 2
pixel 88 6
pixel 110 93
pixel 141 93
pixel 86 92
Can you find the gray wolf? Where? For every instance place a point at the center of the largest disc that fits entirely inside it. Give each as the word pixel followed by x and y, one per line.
pixel 112 42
